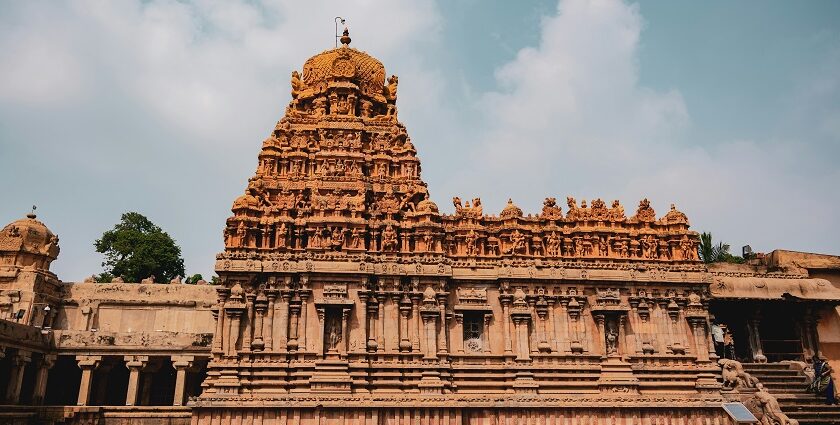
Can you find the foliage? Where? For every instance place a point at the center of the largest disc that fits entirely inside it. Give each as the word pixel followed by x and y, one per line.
pixel 136 248
pixel 104 277
pixel 711 253
pixel 192 280
pixel 215 280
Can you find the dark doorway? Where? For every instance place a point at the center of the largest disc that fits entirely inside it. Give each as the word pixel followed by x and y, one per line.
pixel 27 387
pixel 63 382
pixel 780 338
pixel 160 382
pixel 5 374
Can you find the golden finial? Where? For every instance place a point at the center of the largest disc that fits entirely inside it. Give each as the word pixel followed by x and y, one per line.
pixel 345 37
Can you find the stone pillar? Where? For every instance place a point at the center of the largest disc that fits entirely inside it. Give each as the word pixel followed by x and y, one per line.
pixel 430 322
pixel 260 308
pixel 380 324
pixel 458 338
pixel 249 321
pixel 135 365
pixel 304 314
pixel 405 309
pixel 600 321
pixel 542 313
pixel 372 312
pixel 699 331
pixel 268 332
pixel 218 314
pixel 755 338
pixel 442 335
pixel 505 300
pixel 552 329
pixel 520 323
pixel 486 334
pixel 40 390
pixel 294 313
pixel 282 324
pixel 181 364
pixel 363 321
pixel 322 328
pixel 18 362
pixel 345 332
pixel 415 320
pixel 806 327
pixel 233 312
pixel 88 364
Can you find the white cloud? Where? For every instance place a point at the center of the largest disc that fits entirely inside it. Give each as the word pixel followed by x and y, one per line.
pixel 160 106
pixel 571 118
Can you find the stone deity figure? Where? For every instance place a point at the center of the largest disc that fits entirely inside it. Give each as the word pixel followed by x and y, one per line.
pixel 297 84
pixel 552 244
pixel 611 338
pixel 333 331
pixel 280 241
pixel 391 88
pixel 337 238
pixel 389 239
pixel 356 238
pixel 471 239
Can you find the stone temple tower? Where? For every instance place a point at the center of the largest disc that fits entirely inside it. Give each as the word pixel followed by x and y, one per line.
pixel 347 297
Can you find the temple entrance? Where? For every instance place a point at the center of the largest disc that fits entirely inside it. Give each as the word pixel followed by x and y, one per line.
pixel 780 338
pixel 756 331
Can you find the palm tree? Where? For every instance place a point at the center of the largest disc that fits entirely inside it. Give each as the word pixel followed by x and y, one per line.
pixel 711 253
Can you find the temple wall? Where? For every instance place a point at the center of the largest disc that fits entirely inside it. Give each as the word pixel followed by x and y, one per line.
pixel 495 415
pixel 136 307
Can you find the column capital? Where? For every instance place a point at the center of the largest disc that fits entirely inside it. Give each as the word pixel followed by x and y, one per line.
pixel 88 362
pixel 136 361
pixel 182 362
pixel 48 360
pixel 21 357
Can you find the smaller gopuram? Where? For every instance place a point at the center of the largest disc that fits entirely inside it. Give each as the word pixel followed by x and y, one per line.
pixel 348 297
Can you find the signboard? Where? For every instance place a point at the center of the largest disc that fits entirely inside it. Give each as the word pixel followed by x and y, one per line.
pixel 739 413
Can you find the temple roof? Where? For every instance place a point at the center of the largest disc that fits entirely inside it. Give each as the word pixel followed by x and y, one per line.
pixel 774 288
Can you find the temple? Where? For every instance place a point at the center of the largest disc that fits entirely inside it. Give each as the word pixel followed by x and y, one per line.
pixel 346 296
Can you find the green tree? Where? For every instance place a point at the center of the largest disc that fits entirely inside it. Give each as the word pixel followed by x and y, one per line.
pixel 136 248
pixel 192 280
pixel 711 253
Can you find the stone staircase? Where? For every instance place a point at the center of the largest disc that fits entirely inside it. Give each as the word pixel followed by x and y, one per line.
pixel 788 384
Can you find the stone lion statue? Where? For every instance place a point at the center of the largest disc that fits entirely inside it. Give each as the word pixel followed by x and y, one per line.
pixel 770 412
pixel 734 377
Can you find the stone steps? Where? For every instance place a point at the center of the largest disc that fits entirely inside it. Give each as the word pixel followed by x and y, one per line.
pixel 789 388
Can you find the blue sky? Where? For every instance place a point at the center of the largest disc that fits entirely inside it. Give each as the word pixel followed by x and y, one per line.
pixel 731 110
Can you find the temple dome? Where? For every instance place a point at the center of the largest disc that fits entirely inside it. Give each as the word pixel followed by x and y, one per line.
pixel 675 216
pixel 29 235
pixel 246 201
pixel 511 210
pixel 427 206
pixel 345 63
